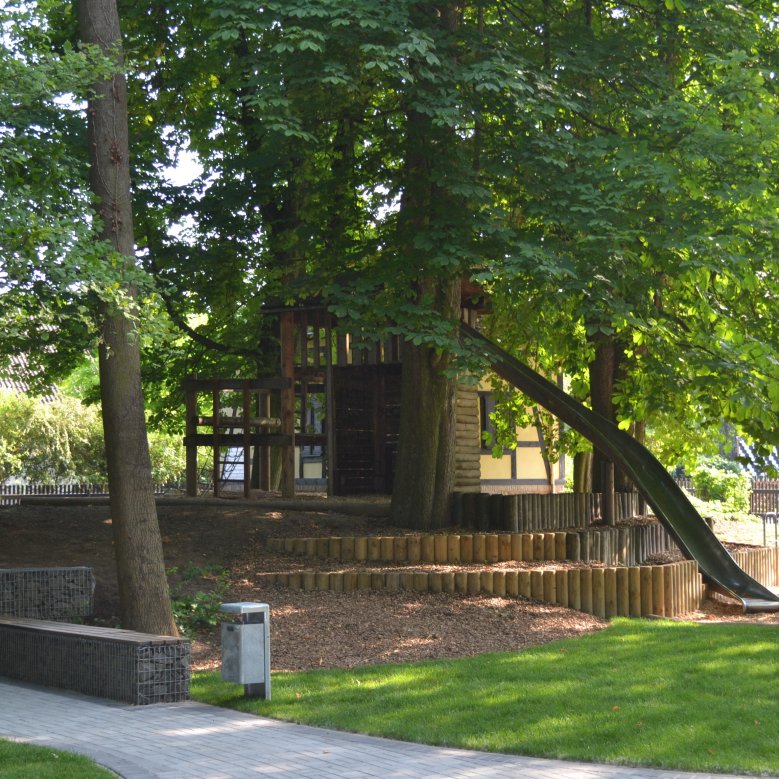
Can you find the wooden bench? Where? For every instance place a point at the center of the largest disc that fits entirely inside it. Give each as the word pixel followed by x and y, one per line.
pixel 136 668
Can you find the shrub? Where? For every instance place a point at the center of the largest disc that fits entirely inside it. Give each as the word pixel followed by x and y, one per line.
pixel 195 609
pixel 717 479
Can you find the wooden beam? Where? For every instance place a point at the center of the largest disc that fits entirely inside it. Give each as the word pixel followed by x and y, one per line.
pixel 236 439
pixel 208 385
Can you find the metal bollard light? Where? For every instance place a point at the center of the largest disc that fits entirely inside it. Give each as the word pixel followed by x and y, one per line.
pixel 246 648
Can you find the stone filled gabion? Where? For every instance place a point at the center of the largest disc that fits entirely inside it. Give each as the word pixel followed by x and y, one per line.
pixel 60 594
pixel 121 665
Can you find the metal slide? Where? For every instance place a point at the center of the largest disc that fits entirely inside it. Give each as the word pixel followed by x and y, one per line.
pixel 668 500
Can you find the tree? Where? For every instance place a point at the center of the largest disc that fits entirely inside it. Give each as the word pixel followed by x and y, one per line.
pixel 658 210
pixel 143 587
pixel 344 135
pixel 374 154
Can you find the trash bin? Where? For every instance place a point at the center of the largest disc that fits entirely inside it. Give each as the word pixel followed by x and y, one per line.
pixel 246 647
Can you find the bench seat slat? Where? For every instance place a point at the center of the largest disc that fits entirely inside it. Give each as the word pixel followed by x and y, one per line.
pixel 88 631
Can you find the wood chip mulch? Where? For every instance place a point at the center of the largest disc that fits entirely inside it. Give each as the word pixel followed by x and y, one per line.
pixel 339 630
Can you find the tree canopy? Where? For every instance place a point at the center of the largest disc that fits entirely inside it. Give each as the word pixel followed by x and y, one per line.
pixel 603 169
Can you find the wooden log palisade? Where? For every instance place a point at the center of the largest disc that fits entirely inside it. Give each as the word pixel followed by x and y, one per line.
pixel 590 585
pixel 629 545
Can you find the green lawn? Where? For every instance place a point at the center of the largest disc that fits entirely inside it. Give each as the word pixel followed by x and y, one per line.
pixel 25 761
pixel 654 693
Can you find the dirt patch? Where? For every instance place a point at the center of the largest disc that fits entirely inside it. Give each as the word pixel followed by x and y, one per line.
pixel 308 629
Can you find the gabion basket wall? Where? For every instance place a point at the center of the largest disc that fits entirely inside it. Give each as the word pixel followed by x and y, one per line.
pixel 47 593
pixel 121 665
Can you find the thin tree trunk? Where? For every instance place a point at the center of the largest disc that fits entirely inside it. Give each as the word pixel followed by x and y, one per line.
pixel 582 472
pixel 144 599
pixel 602 371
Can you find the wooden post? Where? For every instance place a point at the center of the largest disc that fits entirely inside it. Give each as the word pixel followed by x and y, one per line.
pixel 247 442
pixel 598 593
pixel 265 474
pixel 435 582
pixel 574 589
pixel 191 430
pixel 658 590
pixel 562 586
pixel 440 547
pixel 646 591
pixel 428 548
pixel 585 584
pixel 347 549
pixel 322 547
pixel 610 589
pixel 549 587
pixel 287 337
pixel 448 582
pixel 215 444
pixel 504 547
pixel 537 585
pixel 387 549
pixel 453 548
pixel 524 585
pixel 634 583
pixel 493 550
pixel 330 410
pixel 486 582
pixel 608 510
pixel 360 549
pixel 623 593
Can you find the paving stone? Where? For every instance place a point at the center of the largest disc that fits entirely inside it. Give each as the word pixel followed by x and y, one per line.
pixel 194 741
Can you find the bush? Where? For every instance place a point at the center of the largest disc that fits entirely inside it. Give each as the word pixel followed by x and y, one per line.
pixel 61 442
pixel 721 480
pixel 197 609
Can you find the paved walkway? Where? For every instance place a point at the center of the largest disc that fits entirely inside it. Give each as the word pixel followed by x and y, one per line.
pixel 194 741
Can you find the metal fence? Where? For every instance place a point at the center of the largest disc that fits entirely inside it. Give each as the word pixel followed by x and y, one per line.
pixel 764 497
pixel 763 494
pixel 11 494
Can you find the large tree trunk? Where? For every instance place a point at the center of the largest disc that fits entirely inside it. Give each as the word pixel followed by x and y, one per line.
pixel 425 466
pixel 144 600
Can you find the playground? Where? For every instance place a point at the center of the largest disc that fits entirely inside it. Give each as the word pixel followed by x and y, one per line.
pixel 313 628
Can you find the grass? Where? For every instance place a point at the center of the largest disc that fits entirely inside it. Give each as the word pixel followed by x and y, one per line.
pixel 26 761
pixel 653 693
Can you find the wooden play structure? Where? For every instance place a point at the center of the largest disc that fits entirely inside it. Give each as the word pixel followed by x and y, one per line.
pixel 337 403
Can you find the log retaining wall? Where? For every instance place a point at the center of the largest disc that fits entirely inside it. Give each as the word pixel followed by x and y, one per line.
pixel 520 513
pixel 627 545
pixel 760 564
pixel 638 591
